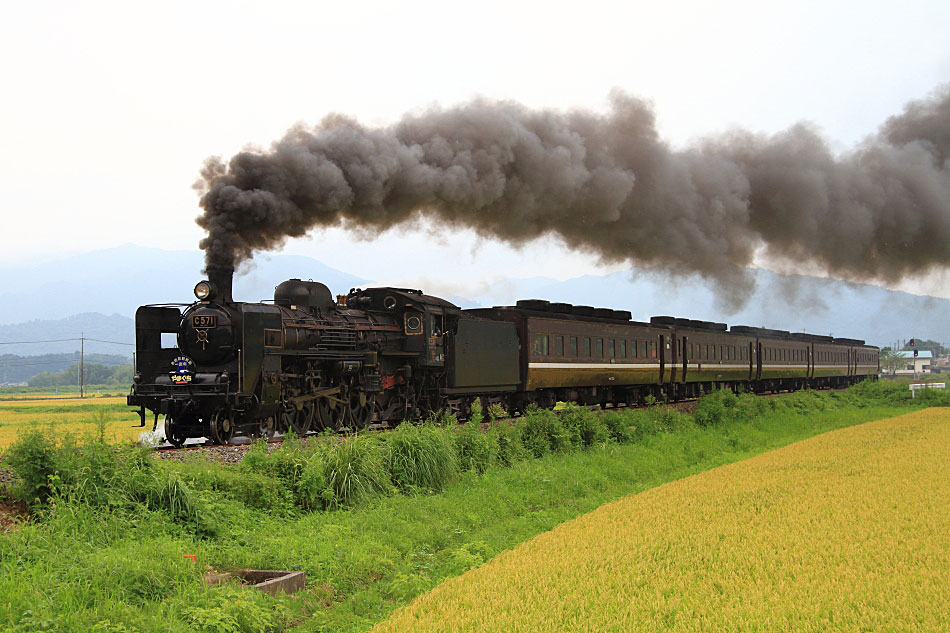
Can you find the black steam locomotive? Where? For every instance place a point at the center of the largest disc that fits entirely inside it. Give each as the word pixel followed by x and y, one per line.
pixel 309 362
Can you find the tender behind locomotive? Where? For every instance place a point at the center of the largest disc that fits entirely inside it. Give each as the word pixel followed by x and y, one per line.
pixel 309 362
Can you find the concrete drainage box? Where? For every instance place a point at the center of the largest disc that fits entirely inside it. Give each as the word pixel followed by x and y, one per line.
pixel 267 580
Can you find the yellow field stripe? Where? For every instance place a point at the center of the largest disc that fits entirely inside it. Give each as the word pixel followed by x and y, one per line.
pixel 848 531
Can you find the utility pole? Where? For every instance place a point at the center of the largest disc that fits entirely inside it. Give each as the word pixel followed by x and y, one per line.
pixel 82 369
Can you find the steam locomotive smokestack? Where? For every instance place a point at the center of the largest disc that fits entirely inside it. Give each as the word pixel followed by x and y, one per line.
pixel 221 276
pixel 606 184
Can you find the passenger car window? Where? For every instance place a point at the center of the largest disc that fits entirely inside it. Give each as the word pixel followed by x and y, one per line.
pixel 559 346
pixel 539 344
pixel 573 346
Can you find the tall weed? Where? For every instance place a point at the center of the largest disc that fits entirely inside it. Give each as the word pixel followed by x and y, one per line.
pixel 420 457
pixel 354 471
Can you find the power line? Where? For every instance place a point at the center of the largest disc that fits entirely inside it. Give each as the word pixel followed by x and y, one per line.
pixel 60 362
pixel 64 340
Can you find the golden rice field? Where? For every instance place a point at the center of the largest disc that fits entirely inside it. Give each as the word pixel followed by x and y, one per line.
pixel 79 417
pixel 847 531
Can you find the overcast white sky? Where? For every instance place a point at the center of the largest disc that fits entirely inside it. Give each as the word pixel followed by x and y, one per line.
pixel 109 109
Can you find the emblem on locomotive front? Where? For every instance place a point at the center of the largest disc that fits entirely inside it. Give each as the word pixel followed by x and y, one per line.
pixel 183 370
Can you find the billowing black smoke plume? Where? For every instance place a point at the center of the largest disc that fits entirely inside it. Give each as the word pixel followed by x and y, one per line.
pixel 606 184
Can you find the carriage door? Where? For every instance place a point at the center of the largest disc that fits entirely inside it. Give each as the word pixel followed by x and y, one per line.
pixel 685 358
pixel 758 360
pixel 662 357
pixel 751 360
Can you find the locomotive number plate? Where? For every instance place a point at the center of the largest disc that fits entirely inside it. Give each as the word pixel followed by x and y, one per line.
pixel 204 320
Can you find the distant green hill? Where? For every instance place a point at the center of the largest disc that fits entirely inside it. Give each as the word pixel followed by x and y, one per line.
pixel 15 368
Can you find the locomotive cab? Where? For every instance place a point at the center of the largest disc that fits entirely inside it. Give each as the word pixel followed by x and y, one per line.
pixel 425 321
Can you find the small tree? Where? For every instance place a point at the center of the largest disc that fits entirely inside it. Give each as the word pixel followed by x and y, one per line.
pixel 891 360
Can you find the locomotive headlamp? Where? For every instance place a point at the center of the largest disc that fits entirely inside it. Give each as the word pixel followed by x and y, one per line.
pixel 205 291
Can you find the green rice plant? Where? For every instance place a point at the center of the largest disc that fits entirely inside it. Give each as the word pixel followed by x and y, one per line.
pixel 420 457
pixel 354 471
pixel 475 449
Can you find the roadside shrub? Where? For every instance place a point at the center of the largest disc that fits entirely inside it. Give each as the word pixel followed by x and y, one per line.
pixel 98 474
pixel 584 426
pixel 885 392
pixel 808 402
pixel 659 419
pixel 476 416
pixel 496 412
pixel 254 490
pixel 285 463
pixel 443 418
pixel 542 432
pixel 312 492
pixel 715 407
pixel 229 609
pixel 34 460
pixel 933 397
pixel 255 459
pixel 507 437
pixel 474 449
pixel 619 427
pixel 750 406
pixel 420 457
pixel 354 471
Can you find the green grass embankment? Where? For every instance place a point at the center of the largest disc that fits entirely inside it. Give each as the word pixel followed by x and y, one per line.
pixel 374 521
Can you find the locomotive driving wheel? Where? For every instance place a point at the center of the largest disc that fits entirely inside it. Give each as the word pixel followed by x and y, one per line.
pixel 222 428
pixel 297 420
pixel 360 410
pixel 329 413
pixel 172 434
pixel 267 429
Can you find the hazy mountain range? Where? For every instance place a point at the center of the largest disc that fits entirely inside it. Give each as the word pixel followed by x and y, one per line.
pixel 96 294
